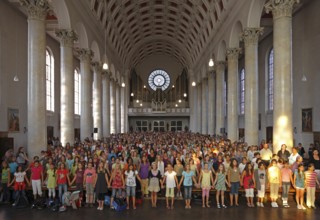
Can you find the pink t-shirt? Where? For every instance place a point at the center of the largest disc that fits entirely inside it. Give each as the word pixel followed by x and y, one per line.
pixel 89 174
pixel 311 178
pixel 286 173
pixel 36 173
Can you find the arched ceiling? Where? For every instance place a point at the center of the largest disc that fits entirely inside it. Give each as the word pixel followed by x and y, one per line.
pixel 138 28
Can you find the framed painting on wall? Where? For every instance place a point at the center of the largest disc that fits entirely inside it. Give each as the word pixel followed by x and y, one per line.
pixel 13 120
pixel 306 120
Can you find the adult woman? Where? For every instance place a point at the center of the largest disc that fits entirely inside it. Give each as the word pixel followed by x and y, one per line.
pixel 315 160
pixel 22 158
pixel 283 153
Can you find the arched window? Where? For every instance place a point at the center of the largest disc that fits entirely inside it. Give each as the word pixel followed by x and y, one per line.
pixel 50 80
pixel 242 90
pixel 270 81
pixel 77 94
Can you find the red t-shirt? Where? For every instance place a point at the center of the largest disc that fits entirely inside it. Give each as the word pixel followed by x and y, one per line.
pixel 89 174
pixel 36 173
pixel 62 176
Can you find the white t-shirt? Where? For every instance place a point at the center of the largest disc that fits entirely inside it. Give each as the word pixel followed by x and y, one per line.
pixel 131 177
pixel 19 176
pixel 170 182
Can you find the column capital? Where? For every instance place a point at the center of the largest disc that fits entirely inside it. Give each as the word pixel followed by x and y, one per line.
pixel 67 37
pixel 251 35
pixel 84 54
pixel 280 8
pixel 96 66
pixel 37 9
pixel 233 53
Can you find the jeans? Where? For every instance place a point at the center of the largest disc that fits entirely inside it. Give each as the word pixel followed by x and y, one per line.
pixel 285 189
pixel 64 188
pixel 187 192
pixel 5 193
pixel 234 188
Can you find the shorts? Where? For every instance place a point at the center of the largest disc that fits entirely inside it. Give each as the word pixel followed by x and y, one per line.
pixel 18 186
pixel 234 188
pixel 89 188
pixel 249 192
pixel 170 192
pixel 300 188
pixel 36 187
pixel 115 191
pixel 261 192
pixel 131 191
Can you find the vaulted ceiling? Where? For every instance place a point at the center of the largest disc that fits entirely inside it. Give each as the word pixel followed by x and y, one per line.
pixel 137 29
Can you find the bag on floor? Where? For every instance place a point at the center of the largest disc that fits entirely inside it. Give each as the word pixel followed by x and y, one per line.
pixel 107 200
pixel 119 205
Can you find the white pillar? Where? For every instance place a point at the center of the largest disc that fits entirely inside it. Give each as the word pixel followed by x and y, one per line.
pixel 250 36
pixel 282 44
pixel 233 75
pixel 118 108
pixel 211 103
pixel 204 107
pixel 67 38
pixel 106 104
pixel 113 125
pixel 122 107
pixel 220 104
pixel 192 103
pixel 37 130
pixel 97 105
pixel 86 119
pixel 199 107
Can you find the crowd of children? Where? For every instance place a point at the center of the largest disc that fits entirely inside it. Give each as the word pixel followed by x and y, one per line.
pixel 178 162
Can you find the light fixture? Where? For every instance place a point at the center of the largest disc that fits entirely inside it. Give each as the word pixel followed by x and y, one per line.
pixel 144 86
pixel 16 78
pixel 172 86
pixel 211 63
pixel 176 105
pixel 185 95
pixel 105 65
pixel 132 94
pixel 141 104
pixel 193 83
pixel 180 101
pixel 123 85
pixel 137 101
pixel 304 78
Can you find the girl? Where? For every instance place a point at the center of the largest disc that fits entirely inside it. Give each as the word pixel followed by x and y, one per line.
pixel 89 177
pixel 274 177
pixel 311 181
pixel 117 181
pixel 154 180
pixel 234 181
pixel 131 174
pixel 143 173
pixel 248 183
pixel 171 181
pixel 206 179
pixel 299 185
pixel 19 183
pixel 178 168
pixel 51 182
pixel 101 184
pixel 286 177
pixel 62 175
pixel 220 185
pixel 261 179
pixel 187 177
pixel 5 181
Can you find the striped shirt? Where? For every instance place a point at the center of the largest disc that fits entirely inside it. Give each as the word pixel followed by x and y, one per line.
pixel 311 177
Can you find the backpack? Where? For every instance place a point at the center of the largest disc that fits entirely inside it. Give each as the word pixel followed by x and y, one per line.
pixel 119 204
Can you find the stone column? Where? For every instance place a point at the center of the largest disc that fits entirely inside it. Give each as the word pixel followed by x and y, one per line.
pixel 122 107
pixel 97 105
pixel 86 119
pixel 204 107
pixel 37 127
pixel 67 38
pixel 220 105
pixel 211 103
pixel 192 103
pixel 113 122
pixel 106 104
pixel 282 42
pixel 199 107
pixel 118 108
pixel 233 92
pixel 250 36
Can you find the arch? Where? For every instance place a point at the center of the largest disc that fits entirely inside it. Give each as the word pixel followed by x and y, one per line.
pixel 221 53
pixel 235 34
pixel 62 13
pixel 255 11
pixel 96 51
pixel 83 36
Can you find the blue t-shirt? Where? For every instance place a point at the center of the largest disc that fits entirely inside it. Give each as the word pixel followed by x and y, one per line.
pixel 13 167
pixel 187 181
pixel 299 179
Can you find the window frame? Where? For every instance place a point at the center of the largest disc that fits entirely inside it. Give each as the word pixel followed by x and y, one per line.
pixel 49 81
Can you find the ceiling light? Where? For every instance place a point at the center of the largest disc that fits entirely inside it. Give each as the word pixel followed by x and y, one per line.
pixel 144 86
pixel 211 63
pixel 123 85
pixel 176 105
pixel 140 104
pixel 179 100
pixel 137 101
pixel 185 95
pixel 132 94
pixel 105 66
pixel 193 84
pixel 172 86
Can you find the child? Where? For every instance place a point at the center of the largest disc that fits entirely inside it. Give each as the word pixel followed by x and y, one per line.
pixel 299 185
pixel 62 178
pixel 274 175
pixel 206 179
pixel 143 173
pixel 154 180
pixel 5 181
pixel 187 177
pixel 171 181
pixel 286 177
pixel 51 182
pixel 311 181
pixel 220 185
pixel 117 181
pixel 248 183
pixel 88 181
pixel 36 178
pixel 234 181
pixel 13 165
pixel 261 179
pixel 19 184
pixel 131 175
pixel 101 184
